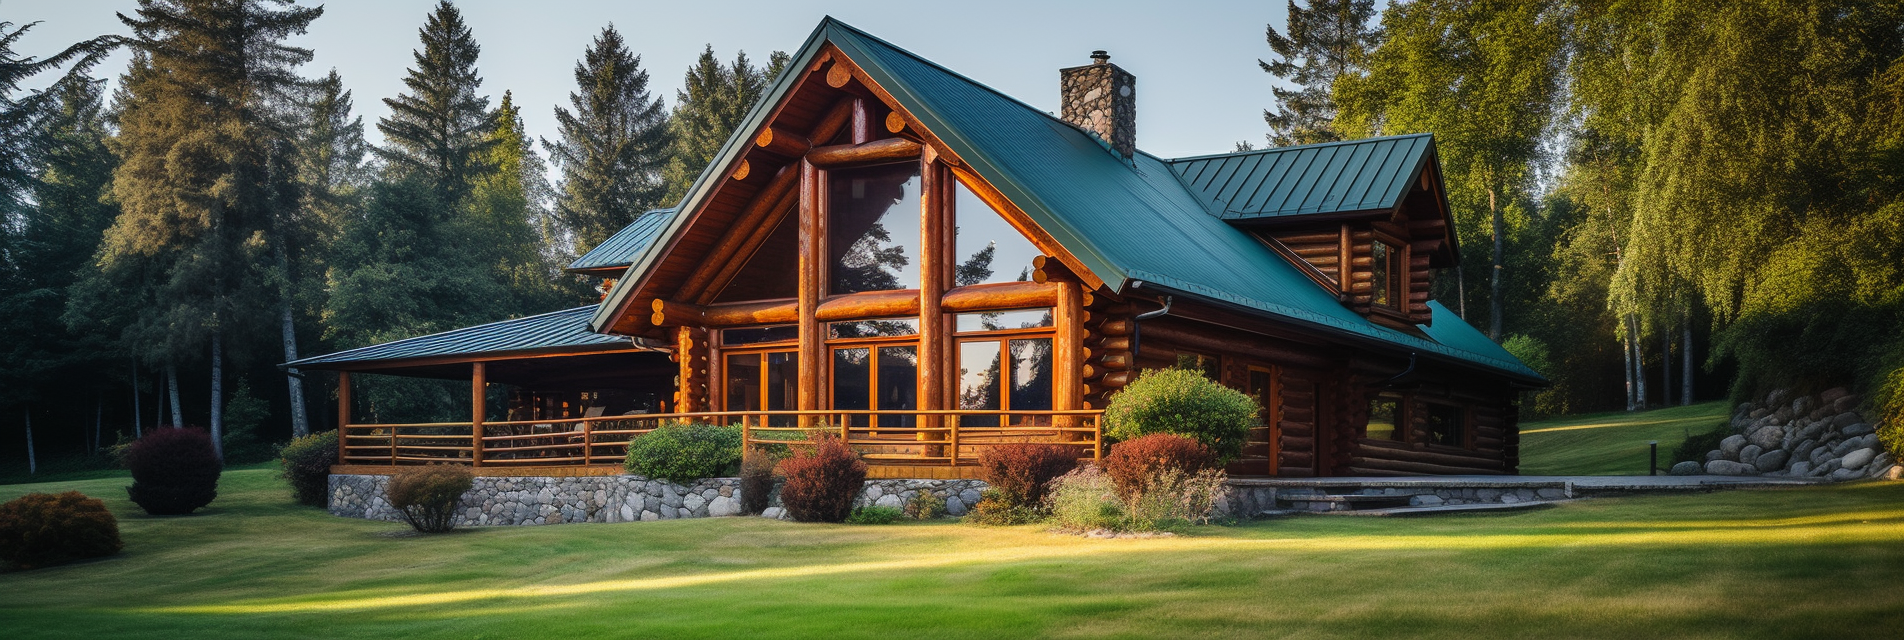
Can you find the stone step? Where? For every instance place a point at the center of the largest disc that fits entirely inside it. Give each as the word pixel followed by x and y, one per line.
pixel 1447 509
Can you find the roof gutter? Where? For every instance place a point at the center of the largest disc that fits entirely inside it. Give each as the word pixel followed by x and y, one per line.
pixel 1137 321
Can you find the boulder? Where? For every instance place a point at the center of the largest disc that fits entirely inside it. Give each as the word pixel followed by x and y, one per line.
pixel 1833 394
pixel 1802 450
pixel 1849 445
pixel 1731 445
pixel 1777 397
pixel 1767 437
pixel 1758 413
pixel 1730 468
pixel 1859 429
pixel 1782 416
pixel 1812 431
pixel 1818 470
pixel 1772 460
pixel 1857 459
pixel 1749 454
pixel 1842 475
pixel 1842 404
pixel 722 507
pixel 1801 406
pixel 1801 469
pixel 1894 473
pixel 1845 419
pixel 1687 468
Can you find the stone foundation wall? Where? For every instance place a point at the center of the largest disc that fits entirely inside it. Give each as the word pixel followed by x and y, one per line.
pixel 540 500
pixel 1821 436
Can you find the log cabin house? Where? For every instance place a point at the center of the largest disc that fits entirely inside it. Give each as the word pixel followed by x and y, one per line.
pixel 898 252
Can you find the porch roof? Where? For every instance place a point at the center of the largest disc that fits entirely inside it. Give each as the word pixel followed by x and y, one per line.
pixel 613 255
pixel 563 332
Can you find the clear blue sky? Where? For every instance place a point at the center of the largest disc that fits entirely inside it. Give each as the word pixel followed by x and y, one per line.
pixel 1199 88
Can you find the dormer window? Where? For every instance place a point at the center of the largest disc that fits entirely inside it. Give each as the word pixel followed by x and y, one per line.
pixel 1387 276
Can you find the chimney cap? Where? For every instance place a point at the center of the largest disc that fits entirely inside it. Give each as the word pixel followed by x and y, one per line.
pixel 1100 57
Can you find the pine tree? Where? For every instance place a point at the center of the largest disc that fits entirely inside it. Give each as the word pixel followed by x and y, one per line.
pixel 440 129
pixel 614 145
pixel 508 213
pixel 1327 40
pixel 711 104
pixel 23 117
pixel 200 175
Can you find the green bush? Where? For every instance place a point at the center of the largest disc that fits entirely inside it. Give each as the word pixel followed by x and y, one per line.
pixel 43 529
pixel 997 510
pixel 1698 444
pixel 1086 500
pixel 1170 499
pixel 306 464
pixel 874 515
pixel 685 452
pixel 925 506
pixel 428 496
pixel 1185 403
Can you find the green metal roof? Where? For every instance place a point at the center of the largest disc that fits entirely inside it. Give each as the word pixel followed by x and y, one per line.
pixel 556 332
pixel 1341 177
pixel 619 250
pixel 1127 221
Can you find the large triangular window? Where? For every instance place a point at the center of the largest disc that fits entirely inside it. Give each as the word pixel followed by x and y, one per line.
pixel 989 249
pixel 774 269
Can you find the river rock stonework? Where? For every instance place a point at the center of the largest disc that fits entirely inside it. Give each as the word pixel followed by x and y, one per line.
pixel 1821 436
pixel 623 498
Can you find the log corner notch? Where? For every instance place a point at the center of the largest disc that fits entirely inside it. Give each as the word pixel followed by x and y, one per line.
pixel 691 386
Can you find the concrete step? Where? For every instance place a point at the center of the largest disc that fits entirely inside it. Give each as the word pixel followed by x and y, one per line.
pixel 1448 509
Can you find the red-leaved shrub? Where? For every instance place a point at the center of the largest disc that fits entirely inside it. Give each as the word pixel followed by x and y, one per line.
pixel 428 496
pixel 174 471
pixel 42 529
pixel 1133 463
pixel 1021 473
pixel 822 481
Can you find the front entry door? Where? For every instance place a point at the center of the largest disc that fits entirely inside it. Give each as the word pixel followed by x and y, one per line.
pixel 1261 450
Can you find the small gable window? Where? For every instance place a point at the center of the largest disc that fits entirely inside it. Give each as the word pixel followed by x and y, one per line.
pixel 1386 277
pixel 873 228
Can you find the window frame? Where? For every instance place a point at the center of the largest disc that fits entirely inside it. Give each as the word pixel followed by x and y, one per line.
pixel 872 344
pixel 1004 338
pixel 718 359
pixel 1396 264
pixel 824 240
pixel 1465 431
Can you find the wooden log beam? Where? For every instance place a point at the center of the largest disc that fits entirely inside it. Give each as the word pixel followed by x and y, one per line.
pixel 1259 348
pixel 676 314
pixel 745 169
pixel 782 142
pixel 752 241
pixel 812 270
pixel 868 305
pixel 750 218
pixel 750 313
pixel 846 155
pixel 936 264
pixel 999 296
pixel 895 123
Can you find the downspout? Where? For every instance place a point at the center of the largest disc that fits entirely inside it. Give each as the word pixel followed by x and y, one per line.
pixel 1137 321
pixel 1412 356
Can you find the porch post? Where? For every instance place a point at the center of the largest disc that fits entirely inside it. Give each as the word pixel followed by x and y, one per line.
pixel 343 412
pixel 478 398
pixel 935 260
pixel 1067 362
pixel 812 255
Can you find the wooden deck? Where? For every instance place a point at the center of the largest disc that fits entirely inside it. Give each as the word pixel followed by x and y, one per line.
pixel 873 471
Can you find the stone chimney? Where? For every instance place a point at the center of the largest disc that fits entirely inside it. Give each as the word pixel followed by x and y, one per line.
pixel 1102 98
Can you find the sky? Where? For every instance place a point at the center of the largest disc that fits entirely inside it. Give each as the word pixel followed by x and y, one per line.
pixel 1199 87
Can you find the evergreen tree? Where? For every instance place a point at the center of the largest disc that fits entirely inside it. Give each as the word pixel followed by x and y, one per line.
pixel 614 145
pixel 509 212
pixel 440 130
pixel 23 117
pixel 711 104
pixel 199 180
pixel 1327 40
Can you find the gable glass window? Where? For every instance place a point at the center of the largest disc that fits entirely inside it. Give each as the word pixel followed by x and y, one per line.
pixel 1004 366
pixel 773 271
pixel 1386 275
pixel 873 228
pixel 989 249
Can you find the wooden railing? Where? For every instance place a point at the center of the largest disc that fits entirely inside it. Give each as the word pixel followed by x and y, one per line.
pixel 949 438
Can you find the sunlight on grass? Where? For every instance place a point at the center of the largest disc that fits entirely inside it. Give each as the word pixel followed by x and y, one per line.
pixel 1611 443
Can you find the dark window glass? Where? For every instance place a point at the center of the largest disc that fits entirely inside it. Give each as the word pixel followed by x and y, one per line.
pixel 757 335
pixel 873 228
pixel 783 378
pixel 1003 320
pixel 743 382
pixel 1210 366
pixel 989 249
pixel 898 386
pixel 1379 294
pixel 979 372
pixel 1382 416
pixel 852 382
pixel 1031 374
pixel 873 328
pixel 1447 425
pixel 773 271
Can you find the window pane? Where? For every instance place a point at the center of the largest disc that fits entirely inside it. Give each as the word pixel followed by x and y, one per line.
pixel 1381 418
pixel 1378 280
pixel 757 335
pixel 783 378
pixel 1002 320
pixel 1210 366
pixel 989 248
pixel 978 380
pixel 743 382
pixel 898 383
pixel 1446 425
pixel 852 380
pixel 873 328
pixel 1031 374
pixel 873 228
pixel 773 271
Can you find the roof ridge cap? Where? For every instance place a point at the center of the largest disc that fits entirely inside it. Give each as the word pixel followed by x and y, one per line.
pixel 1316 145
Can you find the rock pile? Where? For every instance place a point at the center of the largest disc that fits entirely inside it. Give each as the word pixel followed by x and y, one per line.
pixel 1821 436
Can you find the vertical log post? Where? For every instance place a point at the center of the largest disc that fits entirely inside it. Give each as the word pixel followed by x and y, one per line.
pixel 478 409
pixel 343 413
pixel 812 269
pixel 935 271
pixel 690 352
pixel 1067 362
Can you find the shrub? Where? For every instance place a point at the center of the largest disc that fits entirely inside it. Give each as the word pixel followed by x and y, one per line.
pixel 1088 500
pixel 306 464
pixel 874 515
pixel 685 452
pixel 174 471
pixel 1698 444
pixel 822 481
pixel 925 506
pixel 1185 403
pixel 43 529
pixel 757 479
pixel 994 509
pixel 1133 462
pixel 428 496
pixel 1020 472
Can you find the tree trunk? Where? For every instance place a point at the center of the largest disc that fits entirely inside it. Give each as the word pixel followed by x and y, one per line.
pixel 138 429
pixel 1460 293
pixel 32 463
pixel 99 416
pixel 300 421
pixel 1665 368
pixel 1494 275
pixel 1626 357
pixel 1639 365
pixel 171 384
pixel 218 392
pixel 1685 358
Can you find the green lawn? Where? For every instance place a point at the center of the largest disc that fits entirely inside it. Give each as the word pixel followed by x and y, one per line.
pixel 1611 443
pixel 1813 562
